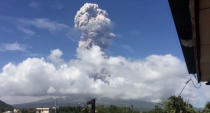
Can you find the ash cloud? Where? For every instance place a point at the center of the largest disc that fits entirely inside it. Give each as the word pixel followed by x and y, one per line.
pixel 95 26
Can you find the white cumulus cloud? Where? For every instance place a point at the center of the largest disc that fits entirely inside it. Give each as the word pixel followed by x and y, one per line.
pixel 154 78
pixel 55 56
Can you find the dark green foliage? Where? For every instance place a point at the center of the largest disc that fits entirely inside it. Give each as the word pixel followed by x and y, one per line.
pixel 174 105
pixel 207 108
pixel 77 109
pixel 102 109
pixel 115 109
pixel 178 105
pixel 157 109
pixel 99 109
pixel 30 110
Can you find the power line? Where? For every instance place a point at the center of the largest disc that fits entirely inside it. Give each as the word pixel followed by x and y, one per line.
pixel 184 86
pixel 194 84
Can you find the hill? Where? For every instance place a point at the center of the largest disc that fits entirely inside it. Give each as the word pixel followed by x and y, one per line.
pixel 5 106
pixel 75 100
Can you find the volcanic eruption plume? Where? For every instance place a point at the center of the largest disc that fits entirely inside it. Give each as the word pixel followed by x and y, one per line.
pixel 95 26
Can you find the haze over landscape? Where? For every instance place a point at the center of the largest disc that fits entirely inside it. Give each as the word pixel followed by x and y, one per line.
pixel 90 53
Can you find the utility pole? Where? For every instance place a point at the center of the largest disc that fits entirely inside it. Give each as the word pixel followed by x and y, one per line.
pixel 92 102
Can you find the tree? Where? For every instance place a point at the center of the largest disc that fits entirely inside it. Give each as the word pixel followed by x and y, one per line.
pixel 174 105
pixel 207 108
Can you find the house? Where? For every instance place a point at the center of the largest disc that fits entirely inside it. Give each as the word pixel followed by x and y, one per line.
pixel 8 112
pixel 42 110
pixel 16 111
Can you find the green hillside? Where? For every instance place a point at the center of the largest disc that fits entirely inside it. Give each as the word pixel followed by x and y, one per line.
pixel 4 106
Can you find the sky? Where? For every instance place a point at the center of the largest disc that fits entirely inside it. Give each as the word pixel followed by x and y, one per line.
pixel 116 49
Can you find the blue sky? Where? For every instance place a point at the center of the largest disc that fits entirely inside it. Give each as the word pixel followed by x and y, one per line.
pixel 142 28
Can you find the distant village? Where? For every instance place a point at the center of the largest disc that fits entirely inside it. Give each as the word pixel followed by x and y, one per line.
pixel 37 110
